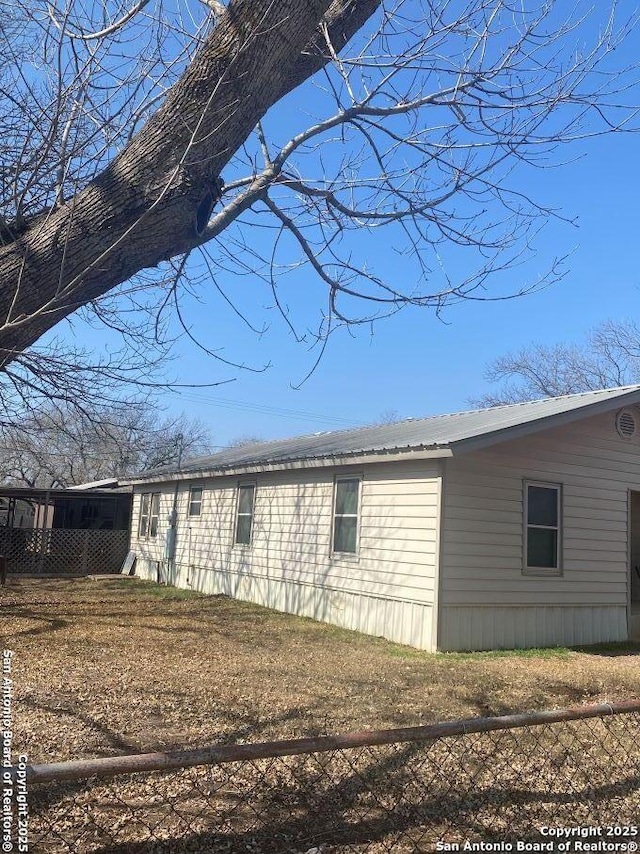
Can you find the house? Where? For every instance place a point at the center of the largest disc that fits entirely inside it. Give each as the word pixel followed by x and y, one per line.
pixel 516 526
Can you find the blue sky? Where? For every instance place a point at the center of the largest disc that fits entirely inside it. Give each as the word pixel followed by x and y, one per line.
pixel 415 363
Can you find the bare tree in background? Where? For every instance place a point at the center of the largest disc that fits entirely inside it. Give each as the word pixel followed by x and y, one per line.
pixel 609 357
pixel 387 416
pixel 149 156
pixel 63 446
pixel 244 440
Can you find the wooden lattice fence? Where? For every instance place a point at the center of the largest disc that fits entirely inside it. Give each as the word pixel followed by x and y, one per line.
pixel 63 552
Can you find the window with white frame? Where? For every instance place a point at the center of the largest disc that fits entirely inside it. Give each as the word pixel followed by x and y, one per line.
pixel 149 513
pixel 195 501
pixel 143 525
pixel 345 515
pixel 244 513
pixel 543 528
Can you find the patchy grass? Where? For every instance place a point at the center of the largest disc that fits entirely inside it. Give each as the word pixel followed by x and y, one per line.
pixel 544 652
pixel 147 588
pixel 113 666
pixel 408 653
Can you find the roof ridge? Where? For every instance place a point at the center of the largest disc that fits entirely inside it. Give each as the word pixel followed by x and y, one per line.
pixel 509 405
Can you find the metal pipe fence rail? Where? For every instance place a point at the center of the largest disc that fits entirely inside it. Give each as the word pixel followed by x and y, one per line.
pixel 531 782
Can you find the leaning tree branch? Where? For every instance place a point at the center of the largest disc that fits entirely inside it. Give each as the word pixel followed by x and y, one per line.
pixel 153 201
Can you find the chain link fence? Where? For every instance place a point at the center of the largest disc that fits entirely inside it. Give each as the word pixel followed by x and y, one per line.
pixel 507 782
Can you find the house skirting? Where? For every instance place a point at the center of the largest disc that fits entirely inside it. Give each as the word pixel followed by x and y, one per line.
pixel 396 620
pixel 463 628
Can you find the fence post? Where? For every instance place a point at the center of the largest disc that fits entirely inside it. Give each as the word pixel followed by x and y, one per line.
pixel 43 531
pixel 3 570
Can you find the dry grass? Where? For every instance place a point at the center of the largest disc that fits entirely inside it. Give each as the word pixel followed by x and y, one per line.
pixel 117 666
pixel 400 798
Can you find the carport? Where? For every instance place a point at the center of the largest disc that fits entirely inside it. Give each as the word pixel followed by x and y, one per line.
pixel 64 531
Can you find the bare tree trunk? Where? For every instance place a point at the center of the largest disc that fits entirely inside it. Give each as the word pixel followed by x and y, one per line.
pixel 154 200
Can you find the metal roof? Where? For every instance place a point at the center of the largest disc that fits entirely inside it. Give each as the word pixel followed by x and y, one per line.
pixel 106 483
pixel 36 493
pixel 455 432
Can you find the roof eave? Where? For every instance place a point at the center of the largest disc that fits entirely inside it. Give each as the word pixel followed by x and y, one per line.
pixel 292 465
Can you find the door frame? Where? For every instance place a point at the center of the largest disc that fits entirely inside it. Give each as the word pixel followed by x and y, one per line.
pixel 630 531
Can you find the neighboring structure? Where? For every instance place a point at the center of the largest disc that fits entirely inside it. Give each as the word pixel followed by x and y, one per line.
pixel 65 531
pixel 17 513
pixel 515 526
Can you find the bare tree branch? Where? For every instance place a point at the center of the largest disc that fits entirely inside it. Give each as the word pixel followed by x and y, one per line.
pixel 142 131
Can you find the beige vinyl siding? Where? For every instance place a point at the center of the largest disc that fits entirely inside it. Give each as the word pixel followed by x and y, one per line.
pixel 486 600
pixel 387 588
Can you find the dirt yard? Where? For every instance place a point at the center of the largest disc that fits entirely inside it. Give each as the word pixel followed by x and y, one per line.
pixel 112 666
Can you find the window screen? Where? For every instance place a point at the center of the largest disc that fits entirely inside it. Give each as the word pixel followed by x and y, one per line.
pixel 244 519
pixel 195 501
pixel 543 526
pixel 345 515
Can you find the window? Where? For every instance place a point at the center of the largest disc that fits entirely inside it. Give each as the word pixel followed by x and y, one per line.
pixel 149 512
pixel 143 527
pixel 154 512
pixel 195 501
pixel 345 515
pixel 244 516
pixel 542 530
